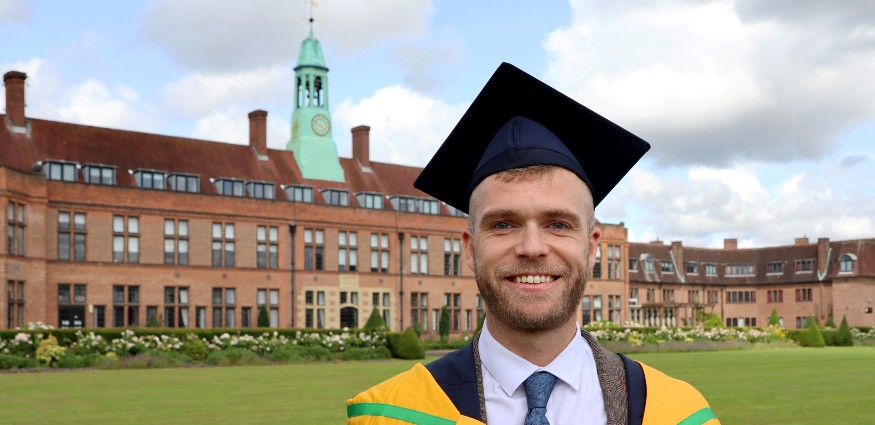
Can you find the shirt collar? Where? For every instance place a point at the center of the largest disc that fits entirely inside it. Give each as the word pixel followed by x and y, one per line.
pixel 511 370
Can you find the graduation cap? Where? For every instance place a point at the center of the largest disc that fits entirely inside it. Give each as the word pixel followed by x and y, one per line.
pixel 518 121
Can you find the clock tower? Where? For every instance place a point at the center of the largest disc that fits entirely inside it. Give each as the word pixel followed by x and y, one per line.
pixel 311 142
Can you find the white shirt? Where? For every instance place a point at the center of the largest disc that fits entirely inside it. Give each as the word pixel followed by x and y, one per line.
pixel 576 398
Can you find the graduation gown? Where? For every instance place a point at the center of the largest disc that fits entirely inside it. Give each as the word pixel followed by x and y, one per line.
pixel 450 391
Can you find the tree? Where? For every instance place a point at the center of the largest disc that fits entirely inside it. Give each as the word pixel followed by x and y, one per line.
pixel 708 320
pixel 263 318
pixel 405 345
pixel 375 322
pixel 444 326
pixel 812 337
pixel 417 328
pixel 844 337
pixel 480 324
pixel 774 320
pixel 830 323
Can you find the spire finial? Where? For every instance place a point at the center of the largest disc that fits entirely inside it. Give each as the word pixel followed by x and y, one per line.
pixel 313 5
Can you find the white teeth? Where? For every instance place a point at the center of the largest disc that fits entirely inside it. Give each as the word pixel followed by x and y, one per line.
pixel 533 279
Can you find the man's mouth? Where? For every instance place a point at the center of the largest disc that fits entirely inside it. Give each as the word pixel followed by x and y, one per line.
pixel 533 279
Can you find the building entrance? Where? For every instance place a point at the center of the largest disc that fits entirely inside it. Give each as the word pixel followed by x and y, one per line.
pixel 71 316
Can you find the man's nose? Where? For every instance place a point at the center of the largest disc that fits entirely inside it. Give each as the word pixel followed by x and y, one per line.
pixel 532 243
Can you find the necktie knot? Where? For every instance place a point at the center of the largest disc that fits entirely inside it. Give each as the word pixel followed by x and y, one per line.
pixel 538 388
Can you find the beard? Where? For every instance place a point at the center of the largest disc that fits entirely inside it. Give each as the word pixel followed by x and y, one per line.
pixel 508 306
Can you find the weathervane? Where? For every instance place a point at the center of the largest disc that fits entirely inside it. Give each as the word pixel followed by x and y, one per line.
pixel 313 4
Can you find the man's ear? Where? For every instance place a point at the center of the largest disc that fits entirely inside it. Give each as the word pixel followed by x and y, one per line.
pixel 468 246
pixel 594 238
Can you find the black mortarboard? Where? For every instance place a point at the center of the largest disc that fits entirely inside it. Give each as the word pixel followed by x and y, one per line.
pixel 518 121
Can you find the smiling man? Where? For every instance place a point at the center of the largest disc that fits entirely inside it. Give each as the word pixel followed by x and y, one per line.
pixel 529 165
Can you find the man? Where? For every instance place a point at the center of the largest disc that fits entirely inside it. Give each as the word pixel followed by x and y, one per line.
pixel 529 165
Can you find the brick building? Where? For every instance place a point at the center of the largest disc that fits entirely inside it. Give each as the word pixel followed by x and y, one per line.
pixel 108 227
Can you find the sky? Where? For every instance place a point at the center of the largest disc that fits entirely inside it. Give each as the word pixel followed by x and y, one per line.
pixel 761 115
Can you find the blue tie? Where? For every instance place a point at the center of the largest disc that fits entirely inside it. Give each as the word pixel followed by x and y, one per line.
pixel 538 388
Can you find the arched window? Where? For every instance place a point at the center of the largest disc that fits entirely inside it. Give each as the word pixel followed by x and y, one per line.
pixel 846 263
pixel 349 317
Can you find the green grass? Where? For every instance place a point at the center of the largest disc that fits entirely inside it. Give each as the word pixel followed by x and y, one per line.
pixel 787 386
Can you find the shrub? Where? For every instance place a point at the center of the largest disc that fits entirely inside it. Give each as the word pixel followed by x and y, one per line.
pixel 8 361
pixel 375 322
pixel 830 323
pixel 773 319
pixel 812 337
pixel 195 349
pixel 417 327
pixel 235 357
pixel 263 318
pixel 363 353
pixel 405 345
pixel 444 324
pixel 48 352
pixel 75 361
pixel 480 324
pixel 844 337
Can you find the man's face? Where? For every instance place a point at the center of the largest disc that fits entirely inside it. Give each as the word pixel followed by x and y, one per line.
pixel 530 246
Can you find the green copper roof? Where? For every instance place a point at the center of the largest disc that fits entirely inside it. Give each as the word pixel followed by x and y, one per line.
pixel 311 53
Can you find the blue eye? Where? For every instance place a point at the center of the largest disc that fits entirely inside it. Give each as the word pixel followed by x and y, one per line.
pixel 558 226
pixel 501 226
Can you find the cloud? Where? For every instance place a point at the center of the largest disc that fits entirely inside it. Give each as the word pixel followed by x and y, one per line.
pixel 223 36
pixel 231 125
pixel 406 127
pixel 425 63
pixel 93 103
pixel 718 82
pixel 199 93
pixel 15 11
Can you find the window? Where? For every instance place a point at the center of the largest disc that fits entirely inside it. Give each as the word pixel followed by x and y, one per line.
pixel 224 313
pixel 739 269
pixel 229 187
pixel 384 300
pixel 185 183
pixel 271 304
pixel 71 238
pixel 587 310
pixel 379 252
pixel 336 197
pixel 804 295
pixel 741 296
pixel 175 307
pixel 713 297
pixel 125 239
pixel 373 201
pixel 15 228
pixel 348 310
pixel 633 265
pixel 614 307
pixel 314 309
pixel 419 309
pixel 597 308
pixel 14 304
pixel 223 245
pixel 57 170
pixel 693 296
pixel 457 213
pixel 314 249
pixel 267 247
pixel 148 179
pixel 775 267
pixel 479 309
pixel 246 317
pixel 668 296
pixel 775 295
pixel 692 267
pixel 418 255
pixel 261 190
pixel 804 266
pixel 711 269
pixel 453 301
pixel 665 266
pixel 175 241
pixel 71 305
pixel 452 257
pixel 299 194
pixel 614 262
pixel 651 295
pixel 597 265
pixel 846 263
pixel 740 322
pixel 419 205
pixel 201 317
pixel 126 306
pixel 648 264
pixel 99 316
pixel 99 174
pixel 347 251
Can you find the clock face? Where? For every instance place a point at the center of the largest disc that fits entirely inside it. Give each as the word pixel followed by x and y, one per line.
pixel 320 124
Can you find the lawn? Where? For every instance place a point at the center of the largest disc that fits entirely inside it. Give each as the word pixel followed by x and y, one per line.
pixel 787 386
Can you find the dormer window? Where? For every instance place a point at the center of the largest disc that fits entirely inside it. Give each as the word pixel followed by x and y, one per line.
pixel 846 263
pixel 185 183
pixel 261 190
pixel 373 201
pixel 148 179
pixel 454 212
pixel 60 170
pixel 411 204
pixel 99 174
pixel 299 194
pixel 336 197
pixel 229 187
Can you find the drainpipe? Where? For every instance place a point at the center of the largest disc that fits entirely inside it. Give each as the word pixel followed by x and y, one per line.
pixel 401 278
pixel 292 228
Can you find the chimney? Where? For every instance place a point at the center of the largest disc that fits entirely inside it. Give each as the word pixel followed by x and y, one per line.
pixel 14 81
pixel 360 145
pixel 677 252
pixel 730 244
pixel 822 255
pixel 801 241
pixel 258 131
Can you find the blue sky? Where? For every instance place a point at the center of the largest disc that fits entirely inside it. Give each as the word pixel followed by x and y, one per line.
pixel 760 114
